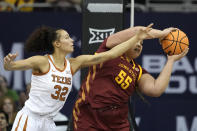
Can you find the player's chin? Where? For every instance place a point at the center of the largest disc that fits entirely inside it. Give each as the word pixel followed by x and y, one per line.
pixel 136 55
pixel 72 49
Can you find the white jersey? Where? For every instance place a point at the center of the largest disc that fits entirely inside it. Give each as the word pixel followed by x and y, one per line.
pixel 50 90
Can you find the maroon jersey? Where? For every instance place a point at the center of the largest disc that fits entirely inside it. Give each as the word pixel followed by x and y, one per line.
pixel 111 82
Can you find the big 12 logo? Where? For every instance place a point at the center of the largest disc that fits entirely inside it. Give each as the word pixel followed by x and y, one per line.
pixel 99 35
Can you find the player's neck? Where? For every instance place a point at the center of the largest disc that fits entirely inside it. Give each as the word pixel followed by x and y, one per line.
pixel 128 58
pixel 58 58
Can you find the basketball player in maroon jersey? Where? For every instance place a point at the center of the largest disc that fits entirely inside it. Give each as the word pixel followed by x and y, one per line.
pixel 103 97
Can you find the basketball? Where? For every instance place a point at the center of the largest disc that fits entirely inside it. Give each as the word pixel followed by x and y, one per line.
pixel 175 42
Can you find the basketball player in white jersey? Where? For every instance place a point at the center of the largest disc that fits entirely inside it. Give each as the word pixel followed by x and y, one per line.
pixel 51 80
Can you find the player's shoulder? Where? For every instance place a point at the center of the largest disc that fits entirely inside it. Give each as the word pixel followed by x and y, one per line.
pixel 77 59
pixel 40 58
pixel 72 60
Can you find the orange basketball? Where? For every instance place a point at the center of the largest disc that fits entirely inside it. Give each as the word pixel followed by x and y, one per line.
pixel 175 42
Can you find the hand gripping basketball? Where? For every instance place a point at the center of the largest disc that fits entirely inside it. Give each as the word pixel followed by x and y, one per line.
pixel 175 42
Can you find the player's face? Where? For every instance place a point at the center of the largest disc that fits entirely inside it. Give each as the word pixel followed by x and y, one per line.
pixel 3 122
pixel 135 51
pixel 65 41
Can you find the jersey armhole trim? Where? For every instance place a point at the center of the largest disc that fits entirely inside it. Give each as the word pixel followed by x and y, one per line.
pixel 39 74
pixel 71 71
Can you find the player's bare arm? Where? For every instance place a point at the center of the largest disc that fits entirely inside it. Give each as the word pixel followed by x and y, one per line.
pixel 89 60
pixel 155 87
pixel 126 34
pixel 37 63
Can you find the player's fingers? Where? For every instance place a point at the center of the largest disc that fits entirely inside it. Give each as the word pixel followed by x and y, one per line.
pixel 16 53
pixel 172 29
pixel 185 52
pixel 14 56
pixel 9 55
pixel 150 25
pixel 7 59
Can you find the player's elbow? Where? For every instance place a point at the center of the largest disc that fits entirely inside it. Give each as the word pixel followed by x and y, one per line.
pixel 155 93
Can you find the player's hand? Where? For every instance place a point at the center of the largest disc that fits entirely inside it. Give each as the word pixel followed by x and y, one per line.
pixel 165 32
pixel 9 59
pixel 143 33
pixel 178 57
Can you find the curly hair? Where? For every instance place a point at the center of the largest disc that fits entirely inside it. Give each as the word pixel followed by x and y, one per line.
pixel 41 40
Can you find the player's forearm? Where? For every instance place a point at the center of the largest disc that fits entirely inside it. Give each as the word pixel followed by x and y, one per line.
pixel 111 54
pixel 154 33
pixel 88 60
pixel 161 83
pixel 11 66
pixel 123 47
pixel 126 34
pixel 121 36
pixel 17 65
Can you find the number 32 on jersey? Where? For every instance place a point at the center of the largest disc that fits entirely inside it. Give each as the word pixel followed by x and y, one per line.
pixel 59 93
pixel 123 80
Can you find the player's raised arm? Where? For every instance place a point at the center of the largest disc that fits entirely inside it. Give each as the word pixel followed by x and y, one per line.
pixel 88 60
pixel 155 87
pixel 34 62
pixel 126 34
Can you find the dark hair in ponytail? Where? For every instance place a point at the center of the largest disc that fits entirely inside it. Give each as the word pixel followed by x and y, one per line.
pixel 41 39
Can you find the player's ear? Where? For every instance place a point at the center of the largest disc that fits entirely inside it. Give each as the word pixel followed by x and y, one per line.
pixel 56 44
pixel 141 42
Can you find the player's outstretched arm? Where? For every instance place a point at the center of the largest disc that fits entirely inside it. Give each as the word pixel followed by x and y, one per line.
pixel 155 87
pixel 34 62
pixel 126 34
pixel 89 60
